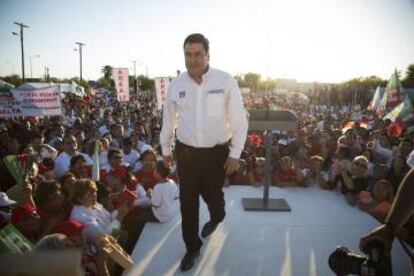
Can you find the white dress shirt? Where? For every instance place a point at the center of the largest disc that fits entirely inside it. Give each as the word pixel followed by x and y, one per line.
pixel 205 114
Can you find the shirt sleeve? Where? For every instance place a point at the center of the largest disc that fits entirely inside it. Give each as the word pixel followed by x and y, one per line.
pixel 237 120
pixel 169 123
pixel 156 198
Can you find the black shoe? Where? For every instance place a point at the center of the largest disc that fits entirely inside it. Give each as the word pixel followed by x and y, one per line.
pixel 189 259
pixel 208 228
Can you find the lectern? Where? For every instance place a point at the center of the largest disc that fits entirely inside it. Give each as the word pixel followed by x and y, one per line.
pixel 266 121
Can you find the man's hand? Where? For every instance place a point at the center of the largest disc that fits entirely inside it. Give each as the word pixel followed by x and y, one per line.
pixel 168 161
pixel 383 234
pixel 231 165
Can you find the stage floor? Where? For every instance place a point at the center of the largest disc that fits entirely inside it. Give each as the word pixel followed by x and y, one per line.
pixel 263 243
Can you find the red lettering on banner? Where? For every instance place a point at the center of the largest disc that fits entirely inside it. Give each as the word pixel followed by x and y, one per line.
pixel 120 78
pixel 120 71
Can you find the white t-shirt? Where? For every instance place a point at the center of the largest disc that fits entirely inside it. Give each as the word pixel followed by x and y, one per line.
pixel 130 158
pixel 164 203
pixel 97 220
pixel 62 163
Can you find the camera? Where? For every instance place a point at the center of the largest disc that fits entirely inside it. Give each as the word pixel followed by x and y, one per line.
pixel 377 262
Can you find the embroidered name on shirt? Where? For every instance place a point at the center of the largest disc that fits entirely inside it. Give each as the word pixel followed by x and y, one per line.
pixel 215 91
pixel 181 94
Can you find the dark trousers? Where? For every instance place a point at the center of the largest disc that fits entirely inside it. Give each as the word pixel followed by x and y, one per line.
pixel 134 225
pixel 200 172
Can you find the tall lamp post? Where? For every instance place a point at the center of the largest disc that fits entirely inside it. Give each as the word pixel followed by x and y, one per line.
pixel 80 44
pixel 21 25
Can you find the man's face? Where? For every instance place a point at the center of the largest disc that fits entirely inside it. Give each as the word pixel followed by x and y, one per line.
pixel 70 144
pixel 196 59
pixel 116 160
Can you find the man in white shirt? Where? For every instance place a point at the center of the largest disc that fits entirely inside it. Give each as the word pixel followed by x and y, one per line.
pixel 62 162
pixel 205 108
pixel 129 155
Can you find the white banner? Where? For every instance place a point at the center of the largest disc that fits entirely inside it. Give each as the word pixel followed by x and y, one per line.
pixel 39 102
pixel 120 76
pixel 161 88
pixel 9 107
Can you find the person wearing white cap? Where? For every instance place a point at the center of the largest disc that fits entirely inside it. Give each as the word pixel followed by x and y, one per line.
pixel 5 204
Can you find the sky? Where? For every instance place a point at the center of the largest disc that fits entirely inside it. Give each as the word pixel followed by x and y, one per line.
pixel 308 40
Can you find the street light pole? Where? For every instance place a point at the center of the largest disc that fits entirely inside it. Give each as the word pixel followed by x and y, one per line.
pixel 80 57
pixel 21 25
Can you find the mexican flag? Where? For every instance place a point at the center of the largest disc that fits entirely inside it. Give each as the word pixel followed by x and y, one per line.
pixel 404 112
pixel 19 166
pixel 13 241
pixel 393 95
pixel 376 100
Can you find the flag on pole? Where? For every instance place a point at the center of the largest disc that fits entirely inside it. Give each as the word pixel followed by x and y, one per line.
pixel 393 95
pixel 95 166
pixel 404 111
pixel 120 76
pixel 13 241
pixel 161 88
pixel 376 100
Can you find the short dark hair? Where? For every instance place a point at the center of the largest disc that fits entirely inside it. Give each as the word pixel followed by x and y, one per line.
pixel 113 152
pixel 162 169
pixel 75 159
pixel 126 141
pixel 44 190
pixel 197 38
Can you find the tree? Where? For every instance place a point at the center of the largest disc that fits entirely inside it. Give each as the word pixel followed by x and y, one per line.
pixel 240 81
pixel 252 80
pixel 267 84
pixel 145 83
pixel 408 81
pixel 13 79
pixel 103 83
pixel 107 72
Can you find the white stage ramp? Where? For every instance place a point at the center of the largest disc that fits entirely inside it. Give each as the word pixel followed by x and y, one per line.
pixel 296 243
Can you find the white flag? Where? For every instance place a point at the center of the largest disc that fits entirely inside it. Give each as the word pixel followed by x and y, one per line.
pixel 120 76
pixel 161 88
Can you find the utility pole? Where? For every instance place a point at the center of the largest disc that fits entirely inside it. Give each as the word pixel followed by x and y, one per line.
pixel 80 57
pixel 21 25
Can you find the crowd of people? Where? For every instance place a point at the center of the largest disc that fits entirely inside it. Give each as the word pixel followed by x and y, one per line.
pixel 362 157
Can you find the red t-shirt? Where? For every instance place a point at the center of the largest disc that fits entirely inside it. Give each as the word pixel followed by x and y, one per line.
pixel 147 179
pixel 286 175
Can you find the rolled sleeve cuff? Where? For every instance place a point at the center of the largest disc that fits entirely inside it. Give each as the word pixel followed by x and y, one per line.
pixel 166 150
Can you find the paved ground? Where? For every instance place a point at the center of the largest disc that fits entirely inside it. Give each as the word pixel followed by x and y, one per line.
pixel 263 243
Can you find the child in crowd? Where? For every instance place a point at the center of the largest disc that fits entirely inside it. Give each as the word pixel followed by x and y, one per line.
pixel 378 200
pixel 314 176
pixel 354 180
pixel 256 174
pixel 288 175
pixel 146 176
pixel 163 205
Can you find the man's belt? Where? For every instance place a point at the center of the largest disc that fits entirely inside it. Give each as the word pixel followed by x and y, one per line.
pixel 225 144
